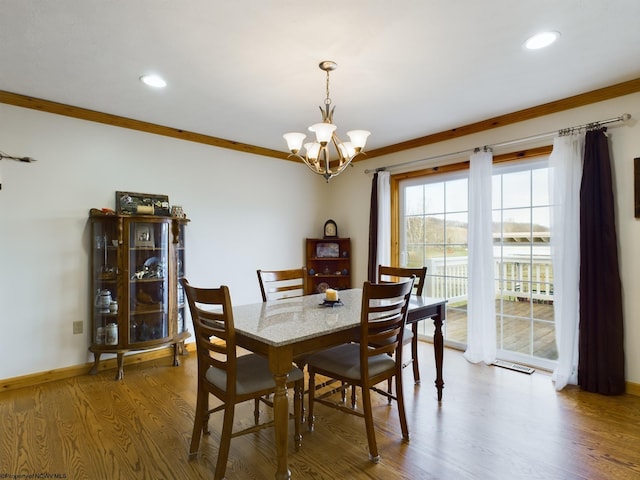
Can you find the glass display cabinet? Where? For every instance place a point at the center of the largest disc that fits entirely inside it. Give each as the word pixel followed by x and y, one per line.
pixel 137 300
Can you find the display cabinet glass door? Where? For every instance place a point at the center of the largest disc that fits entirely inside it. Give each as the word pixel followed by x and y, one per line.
pixel 181 301
pixel 105 271
pixel 148 281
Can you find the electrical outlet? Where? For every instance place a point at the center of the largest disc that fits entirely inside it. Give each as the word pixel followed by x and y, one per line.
pixel 77 327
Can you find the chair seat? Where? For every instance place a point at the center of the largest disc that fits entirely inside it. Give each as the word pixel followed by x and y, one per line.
pixel 253 375
pixel 344 360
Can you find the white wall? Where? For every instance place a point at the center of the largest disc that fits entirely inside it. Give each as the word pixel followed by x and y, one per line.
pixel 351 201
pixel 247 212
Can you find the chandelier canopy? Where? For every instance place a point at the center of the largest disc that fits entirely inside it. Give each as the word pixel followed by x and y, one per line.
pixel 317 156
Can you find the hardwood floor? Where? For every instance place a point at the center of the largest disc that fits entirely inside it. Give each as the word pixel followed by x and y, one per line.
pixel 492 424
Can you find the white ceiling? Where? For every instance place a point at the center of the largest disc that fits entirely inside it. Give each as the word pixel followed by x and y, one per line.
pixel 247 70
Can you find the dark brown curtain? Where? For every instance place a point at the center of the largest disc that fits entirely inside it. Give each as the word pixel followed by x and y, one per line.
pixel 373 231
pixel 601 353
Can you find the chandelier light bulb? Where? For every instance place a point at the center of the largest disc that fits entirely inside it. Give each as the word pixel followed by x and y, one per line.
pixel 347 149
pixel 294 141
pixel 323 131
pixel 358 138
pixel 313 150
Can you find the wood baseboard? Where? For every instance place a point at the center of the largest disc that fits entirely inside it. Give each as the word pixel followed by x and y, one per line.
pixel 633 389
pixel 77 370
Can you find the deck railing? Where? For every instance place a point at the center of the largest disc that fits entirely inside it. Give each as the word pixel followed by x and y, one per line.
pixel 516 278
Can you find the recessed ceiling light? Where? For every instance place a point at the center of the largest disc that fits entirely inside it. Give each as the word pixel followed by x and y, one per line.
pixel 541 40
pixel 153 81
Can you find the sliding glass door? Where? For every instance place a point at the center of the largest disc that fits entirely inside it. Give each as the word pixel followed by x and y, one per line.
pixel 522 254
pixel 433 231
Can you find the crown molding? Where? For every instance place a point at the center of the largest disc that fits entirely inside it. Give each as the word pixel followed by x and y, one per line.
pixel 594 96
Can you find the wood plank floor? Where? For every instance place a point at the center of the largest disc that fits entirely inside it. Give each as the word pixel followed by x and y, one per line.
pixel 492 424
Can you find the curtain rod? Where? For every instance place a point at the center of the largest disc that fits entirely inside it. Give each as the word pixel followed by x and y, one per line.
pixel 622 118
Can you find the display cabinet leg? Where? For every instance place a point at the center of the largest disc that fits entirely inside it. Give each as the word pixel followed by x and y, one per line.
pixel 96 362
pixel 120 372
pixel 176 352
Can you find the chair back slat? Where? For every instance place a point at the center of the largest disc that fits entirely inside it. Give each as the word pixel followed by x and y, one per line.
pixel 212 317
pixel 279 284
pixel 387 274
pixel 384 315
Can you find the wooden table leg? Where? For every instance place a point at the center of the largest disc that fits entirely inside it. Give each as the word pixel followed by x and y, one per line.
pixel 414 354
pixel 438 351
pixel 281 420
pixel 280 362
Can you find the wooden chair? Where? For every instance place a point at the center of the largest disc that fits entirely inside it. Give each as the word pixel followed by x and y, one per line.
pixel 396 274
pixel 279 284
pixel 232 379
pixel 377 357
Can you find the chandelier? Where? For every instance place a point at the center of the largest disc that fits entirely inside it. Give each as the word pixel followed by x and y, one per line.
pixel 317 156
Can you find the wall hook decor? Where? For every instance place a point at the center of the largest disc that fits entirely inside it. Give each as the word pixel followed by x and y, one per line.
pixel 17 159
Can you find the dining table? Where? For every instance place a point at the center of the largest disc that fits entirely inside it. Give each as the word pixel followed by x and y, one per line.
pixel 283 329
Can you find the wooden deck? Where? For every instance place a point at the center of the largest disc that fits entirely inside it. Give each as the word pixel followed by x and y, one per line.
pixel 515 330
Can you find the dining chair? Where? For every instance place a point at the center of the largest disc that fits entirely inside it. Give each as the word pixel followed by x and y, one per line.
pixel 376 357
pixel 279 284
pixel 395 274
pixel 232 379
